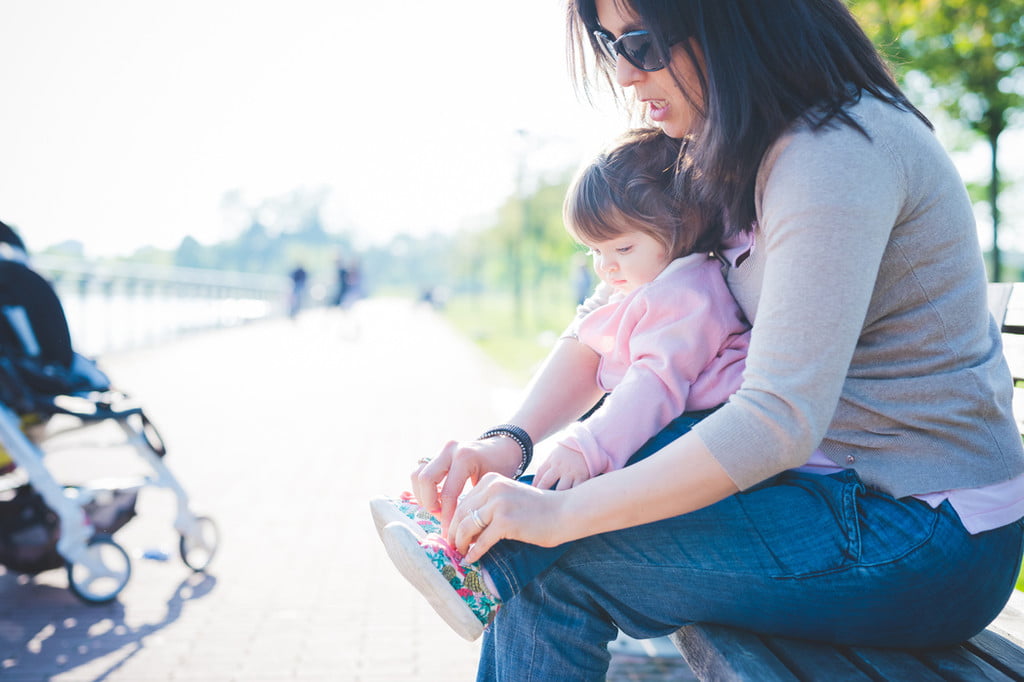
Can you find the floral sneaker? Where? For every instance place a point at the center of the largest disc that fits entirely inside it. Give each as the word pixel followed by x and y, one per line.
pixel 405 509
pixel 456 591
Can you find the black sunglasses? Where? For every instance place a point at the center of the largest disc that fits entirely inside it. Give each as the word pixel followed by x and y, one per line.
pixel 637 47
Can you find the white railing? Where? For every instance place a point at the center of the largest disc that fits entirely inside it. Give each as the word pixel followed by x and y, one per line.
pixel 112 307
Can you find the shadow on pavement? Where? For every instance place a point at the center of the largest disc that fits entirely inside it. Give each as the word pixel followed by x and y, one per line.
pixel 45 630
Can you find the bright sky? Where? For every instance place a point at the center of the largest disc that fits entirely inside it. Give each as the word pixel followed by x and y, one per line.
pixel 125 122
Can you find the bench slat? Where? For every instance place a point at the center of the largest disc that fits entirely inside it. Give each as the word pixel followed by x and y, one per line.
pixel 958 664
pixel 1000 652
pixel 999 299
pixel 812 661
pixel 1013 320
pixel 720 654
pixel 892 664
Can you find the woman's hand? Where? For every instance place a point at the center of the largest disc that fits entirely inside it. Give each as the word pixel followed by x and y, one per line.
pixel 562 469
pixel 498 508
pixel 678 479
pixel 437 483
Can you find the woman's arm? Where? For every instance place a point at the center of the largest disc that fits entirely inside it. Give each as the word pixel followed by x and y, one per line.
pixel 680 478
pixel 562 390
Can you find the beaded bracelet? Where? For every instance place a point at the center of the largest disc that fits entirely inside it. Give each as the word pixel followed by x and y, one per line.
pixel 520 437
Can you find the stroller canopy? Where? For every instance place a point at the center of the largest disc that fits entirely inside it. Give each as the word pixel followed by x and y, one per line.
pixel 32 323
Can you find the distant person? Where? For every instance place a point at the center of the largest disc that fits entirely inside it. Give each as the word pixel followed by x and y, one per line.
pixel 672 343
pixel 356 285
pixel 435 296
pixel 582 278
pixel 298 293
pixel 341 282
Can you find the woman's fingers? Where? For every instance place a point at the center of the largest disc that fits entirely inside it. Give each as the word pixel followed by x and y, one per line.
pixel 461 470
pixel 428 475
pixel 506 510
pixel 486 539
pixel 473 526
pixel 439 482
pixel 475 512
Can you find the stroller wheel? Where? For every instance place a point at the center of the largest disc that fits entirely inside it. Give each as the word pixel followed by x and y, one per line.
pixel 197 548
pixel 101 575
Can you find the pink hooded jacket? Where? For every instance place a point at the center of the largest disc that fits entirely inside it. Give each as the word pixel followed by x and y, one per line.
pixel 674 345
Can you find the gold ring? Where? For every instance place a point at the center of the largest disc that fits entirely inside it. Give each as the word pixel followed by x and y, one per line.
pixel 423 460
pixel 475 515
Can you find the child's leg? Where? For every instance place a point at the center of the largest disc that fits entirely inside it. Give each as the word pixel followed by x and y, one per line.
pixel 511 564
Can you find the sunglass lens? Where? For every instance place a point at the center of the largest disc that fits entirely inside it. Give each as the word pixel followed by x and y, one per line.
pixel 639 50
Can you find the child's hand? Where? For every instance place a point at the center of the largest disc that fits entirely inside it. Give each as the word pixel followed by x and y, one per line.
pixel 563 469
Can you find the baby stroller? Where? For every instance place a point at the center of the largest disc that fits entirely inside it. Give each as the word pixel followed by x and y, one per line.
pixel 43 382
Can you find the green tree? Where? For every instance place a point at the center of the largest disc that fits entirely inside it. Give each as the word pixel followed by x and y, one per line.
pixel 972 53
pixel 528 245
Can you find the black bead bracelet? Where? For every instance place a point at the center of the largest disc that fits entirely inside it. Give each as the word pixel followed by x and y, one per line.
pixel 521 437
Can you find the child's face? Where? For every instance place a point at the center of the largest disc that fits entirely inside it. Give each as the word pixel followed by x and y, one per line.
pixel 629 260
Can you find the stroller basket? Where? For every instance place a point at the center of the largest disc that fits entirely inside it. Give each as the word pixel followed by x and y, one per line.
pixel 29 530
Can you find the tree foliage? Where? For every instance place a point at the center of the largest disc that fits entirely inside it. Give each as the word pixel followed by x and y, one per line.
pixel 522 248
pixel 972 53
pixel 971 50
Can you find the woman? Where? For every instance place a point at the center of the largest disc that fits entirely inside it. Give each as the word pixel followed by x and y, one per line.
pixel 853 252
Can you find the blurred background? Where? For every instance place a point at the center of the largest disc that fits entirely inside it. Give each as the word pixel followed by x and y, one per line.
pixel 190 158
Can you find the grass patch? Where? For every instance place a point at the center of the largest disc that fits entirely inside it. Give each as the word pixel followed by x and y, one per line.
pixel 517 339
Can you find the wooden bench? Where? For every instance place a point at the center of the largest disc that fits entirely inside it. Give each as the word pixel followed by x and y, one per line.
pixel 717 653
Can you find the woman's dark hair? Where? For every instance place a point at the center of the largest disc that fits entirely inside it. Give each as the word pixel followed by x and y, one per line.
pixel 766 64
pixel 630 187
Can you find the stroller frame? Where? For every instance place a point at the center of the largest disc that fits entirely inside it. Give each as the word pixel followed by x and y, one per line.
pixel 98 568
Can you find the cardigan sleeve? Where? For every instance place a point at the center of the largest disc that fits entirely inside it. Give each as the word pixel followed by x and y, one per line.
pixel 827 203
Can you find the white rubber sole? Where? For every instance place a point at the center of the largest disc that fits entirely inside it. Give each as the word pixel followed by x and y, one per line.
pixel 384 512
pixel 412 562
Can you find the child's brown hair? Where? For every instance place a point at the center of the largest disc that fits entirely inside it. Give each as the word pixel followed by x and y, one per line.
pixel 629 187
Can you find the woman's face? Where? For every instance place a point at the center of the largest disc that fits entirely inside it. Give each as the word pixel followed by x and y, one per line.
pixel 658 91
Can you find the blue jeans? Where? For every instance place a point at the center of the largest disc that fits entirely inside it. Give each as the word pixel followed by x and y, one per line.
pixel 512 564
pixel 802 555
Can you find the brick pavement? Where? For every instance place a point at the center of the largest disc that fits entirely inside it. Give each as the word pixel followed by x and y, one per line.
pixel 281 431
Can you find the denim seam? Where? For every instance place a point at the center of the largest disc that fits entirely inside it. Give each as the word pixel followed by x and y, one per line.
pixel 495 563
pixel 534 637
pixel 696 570
pixel 860 564
pixel 910 550
pixel 851 520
